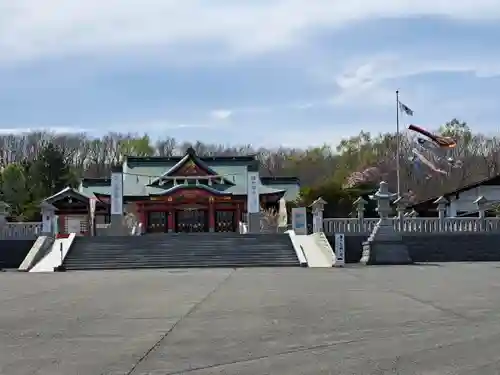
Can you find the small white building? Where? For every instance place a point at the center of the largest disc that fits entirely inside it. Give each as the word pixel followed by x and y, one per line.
pixel 461 201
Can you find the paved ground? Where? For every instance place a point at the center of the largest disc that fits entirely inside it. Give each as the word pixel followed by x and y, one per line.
pixel 435 319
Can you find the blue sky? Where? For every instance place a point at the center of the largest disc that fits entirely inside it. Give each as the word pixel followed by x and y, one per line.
pixel 269 73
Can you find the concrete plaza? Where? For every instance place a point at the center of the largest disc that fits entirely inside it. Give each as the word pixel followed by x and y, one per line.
pixel 423 319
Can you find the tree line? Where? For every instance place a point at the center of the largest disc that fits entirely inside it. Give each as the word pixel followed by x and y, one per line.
pixel 38 164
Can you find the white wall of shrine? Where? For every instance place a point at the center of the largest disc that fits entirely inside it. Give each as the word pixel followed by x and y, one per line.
pixel 465 201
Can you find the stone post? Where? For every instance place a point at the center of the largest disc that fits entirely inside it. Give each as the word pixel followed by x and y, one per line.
pixel 441 203
pixel 481 206
pixel 117 226
pixel 318 206
pixel 401 204
pixel 360 204
pixel 385 245
pixel 48 212
pixel 253 198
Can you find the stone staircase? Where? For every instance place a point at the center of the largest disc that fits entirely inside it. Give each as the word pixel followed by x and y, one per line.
pixel 181 251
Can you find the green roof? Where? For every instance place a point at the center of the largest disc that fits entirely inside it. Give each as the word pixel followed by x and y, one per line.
pixel 138 173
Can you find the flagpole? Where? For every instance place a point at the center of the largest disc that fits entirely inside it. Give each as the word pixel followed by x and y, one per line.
pixel 398 175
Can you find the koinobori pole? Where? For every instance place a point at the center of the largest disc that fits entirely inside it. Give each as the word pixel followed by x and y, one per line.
pixel 398 175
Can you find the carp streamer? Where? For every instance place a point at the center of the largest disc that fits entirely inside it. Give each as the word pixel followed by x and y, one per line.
pixel 433 151
pixel 441 141
pixel 422 159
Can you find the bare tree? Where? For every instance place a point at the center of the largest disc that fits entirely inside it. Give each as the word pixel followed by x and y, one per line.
pixel 92 157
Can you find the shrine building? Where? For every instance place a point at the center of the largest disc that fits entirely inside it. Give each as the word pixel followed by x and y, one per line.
pixel 187 193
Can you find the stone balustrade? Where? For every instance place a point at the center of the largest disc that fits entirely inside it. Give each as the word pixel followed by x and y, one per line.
pixel 20 231
pixel 414 225
pixel 404 221
pixel 330 226
pixel 409 222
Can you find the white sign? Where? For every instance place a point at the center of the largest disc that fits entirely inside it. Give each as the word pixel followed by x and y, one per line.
pixel 116 194
pixel 299 220
pixel 253 201
pixel 47 221
pixel 339 249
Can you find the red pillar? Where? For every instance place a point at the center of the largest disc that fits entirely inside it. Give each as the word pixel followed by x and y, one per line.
pixel 170 220
pixel 61 223
pixel 211 215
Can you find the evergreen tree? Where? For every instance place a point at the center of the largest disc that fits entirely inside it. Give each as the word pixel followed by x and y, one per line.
pixel 50 172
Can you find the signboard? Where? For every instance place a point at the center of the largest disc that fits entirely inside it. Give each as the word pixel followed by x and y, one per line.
pixel 339 249
pixel 253 203
pixel 190 194
pixel 47 221
pixel 116 194
pixel 299 220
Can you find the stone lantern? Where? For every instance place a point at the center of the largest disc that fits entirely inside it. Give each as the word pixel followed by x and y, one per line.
pixel 317 207
pixel 385 245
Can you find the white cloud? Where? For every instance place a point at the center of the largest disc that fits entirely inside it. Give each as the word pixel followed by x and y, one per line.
pixel 221 114
pixel 51 129
pixel 363 82
pixel 380 68
pixel 225 114
pixel 149 127
pixel 44 28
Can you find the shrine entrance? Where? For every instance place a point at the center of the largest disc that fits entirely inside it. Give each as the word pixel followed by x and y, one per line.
pixel 191 220
pixel 225 221
pixel 157 222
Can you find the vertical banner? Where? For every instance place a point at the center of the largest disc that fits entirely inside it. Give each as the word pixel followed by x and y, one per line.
pixel 339 249
pixel 253 201
pixel 299 220
pixel 117 193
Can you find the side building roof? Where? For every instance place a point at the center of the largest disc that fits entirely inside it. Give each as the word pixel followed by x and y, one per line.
pixel 490 181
